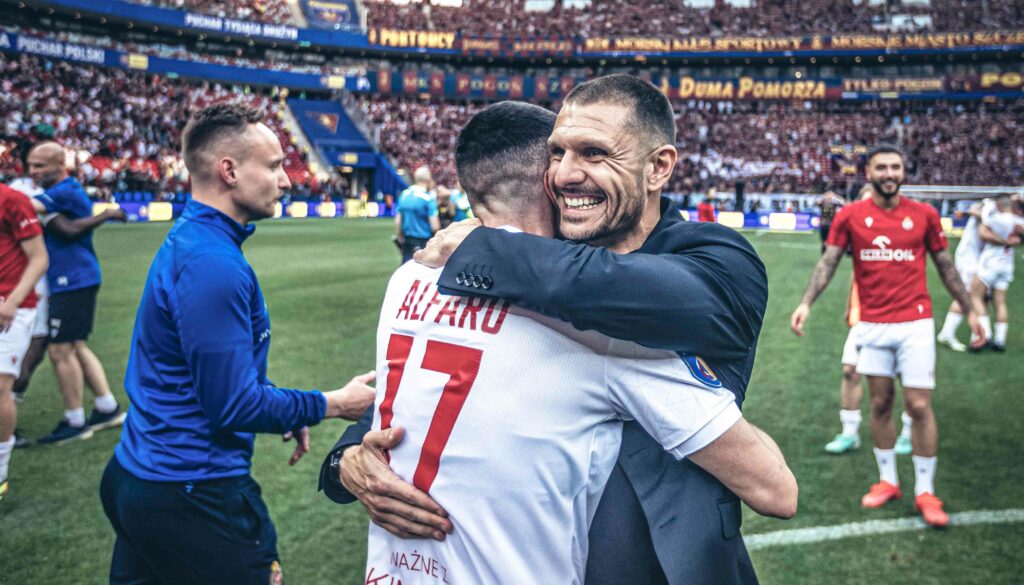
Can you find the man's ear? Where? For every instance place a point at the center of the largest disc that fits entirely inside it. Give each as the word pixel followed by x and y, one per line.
pixel 661 163
pixel 227 168
pixel 548 191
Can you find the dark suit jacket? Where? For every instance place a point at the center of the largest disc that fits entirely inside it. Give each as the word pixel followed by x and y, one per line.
pixel 694 288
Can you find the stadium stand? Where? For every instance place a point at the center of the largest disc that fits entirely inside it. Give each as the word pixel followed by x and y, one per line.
pixel 675 17
pixel 126 126
pixel 774 146
pixel 268 11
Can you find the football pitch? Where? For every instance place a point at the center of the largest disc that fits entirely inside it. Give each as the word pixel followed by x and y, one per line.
pixel 323 281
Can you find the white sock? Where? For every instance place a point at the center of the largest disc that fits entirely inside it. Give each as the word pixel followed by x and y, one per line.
pixel 75 417
pixel 924 475
pixel 886 459
pixel 907 423
pixel 950 325
pixel 1000 337
pixel 850 420
pixel 5 457
pixel 106 403
pixel 986 325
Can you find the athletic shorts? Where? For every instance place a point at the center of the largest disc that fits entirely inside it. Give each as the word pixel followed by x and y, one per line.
pixel 851 349
pixel 14 342
pixel 997 275
pixel 967 270
pixel 41 327
pixel 906 349
pixel 72 314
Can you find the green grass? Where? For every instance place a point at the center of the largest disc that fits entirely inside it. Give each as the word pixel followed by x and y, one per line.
pixel 323 280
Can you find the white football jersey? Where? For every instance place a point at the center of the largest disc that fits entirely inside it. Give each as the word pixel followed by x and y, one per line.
pixel 970 245
pixel 994 256
pixel 513 425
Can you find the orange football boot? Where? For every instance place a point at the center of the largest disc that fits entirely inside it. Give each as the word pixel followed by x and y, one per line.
pixel 931 510
pixel 881 493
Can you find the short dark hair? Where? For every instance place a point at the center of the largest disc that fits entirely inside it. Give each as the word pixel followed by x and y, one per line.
pixel 209 125
pixel 885 148
pixel 651 111
pixel 502 148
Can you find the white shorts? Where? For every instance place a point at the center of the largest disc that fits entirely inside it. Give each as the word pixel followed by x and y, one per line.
pixel 906 349
pixel 41 326
pixel 966 269
pixel 851 349
pixel 14 342
pixel 997 274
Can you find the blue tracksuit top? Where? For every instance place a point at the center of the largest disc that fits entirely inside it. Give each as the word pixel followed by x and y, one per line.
pixel 197 370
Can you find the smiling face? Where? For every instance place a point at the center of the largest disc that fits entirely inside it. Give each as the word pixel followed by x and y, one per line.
pixel 597 176
pixel 886 173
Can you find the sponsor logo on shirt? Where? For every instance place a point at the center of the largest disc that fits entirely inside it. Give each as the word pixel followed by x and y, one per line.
pixel 882 253
pixel 27 222
pixel 264 335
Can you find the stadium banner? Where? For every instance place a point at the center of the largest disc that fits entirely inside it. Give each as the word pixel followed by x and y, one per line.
pixel 337 25
pixel 53 49
pixel 789 46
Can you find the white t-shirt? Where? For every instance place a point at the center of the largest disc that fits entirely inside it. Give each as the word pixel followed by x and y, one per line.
pixel 513 425
pixel 970 245
pixel 994 256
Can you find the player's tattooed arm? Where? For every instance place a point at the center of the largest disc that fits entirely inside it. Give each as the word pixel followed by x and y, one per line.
pixel 823 273
pixel 951 278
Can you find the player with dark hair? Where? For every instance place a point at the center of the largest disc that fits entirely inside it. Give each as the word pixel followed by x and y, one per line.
pixel 74 280
pixel 178 490
pixel 889 236
pixel 642 275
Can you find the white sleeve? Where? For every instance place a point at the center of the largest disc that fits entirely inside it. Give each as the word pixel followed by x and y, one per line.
pixel 658 391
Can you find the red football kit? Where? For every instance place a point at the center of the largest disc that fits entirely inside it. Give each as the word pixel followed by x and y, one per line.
pixel 18 221
pixel 889 249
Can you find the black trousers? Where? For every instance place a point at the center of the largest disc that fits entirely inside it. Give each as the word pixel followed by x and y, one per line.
pixel 214 532
pixel 410 246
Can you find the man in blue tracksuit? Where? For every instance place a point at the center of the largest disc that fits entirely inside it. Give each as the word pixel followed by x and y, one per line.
pixel 178 491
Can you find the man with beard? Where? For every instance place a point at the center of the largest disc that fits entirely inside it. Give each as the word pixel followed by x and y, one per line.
pixel 889 236
pixel 611 154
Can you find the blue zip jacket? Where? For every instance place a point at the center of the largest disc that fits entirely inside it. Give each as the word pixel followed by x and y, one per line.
pixel 197 370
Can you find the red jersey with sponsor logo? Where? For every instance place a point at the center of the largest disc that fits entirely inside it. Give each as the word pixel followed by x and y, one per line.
pixel 889 250
pixel 18 221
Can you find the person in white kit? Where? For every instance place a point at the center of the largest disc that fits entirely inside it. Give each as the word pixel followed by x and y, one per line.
pixel 512 420
pixel 974 237
pixel 995 268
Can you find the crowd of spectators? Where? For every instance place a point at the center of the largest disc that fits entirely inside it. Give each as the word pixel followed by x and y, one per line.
pixel 123 128
pixel 666 18
pixel 773 147
pixel 763 18
pixel 266 11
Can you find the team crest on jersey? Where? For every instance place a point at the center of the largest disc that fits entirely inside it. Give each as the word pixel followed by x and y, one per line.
pixel 869 220
pixel 700 370
pixel 908 224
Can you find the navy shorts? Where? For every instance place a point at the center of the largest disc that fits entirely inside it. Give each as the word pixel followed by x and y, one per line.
pixel 214 532
pixel 72 314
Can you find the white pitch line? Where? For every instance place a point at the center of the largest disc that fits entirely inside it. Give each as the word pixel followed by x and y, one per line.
pixel 872 527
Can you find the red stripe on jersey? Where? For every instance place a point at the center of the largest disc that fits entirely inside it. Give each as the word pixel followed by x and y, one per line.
pixel 399 347
pixel 462 364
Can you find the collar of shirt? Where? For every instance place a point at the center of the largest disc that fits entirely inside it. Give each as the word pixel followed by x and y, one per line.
pixel 510 228
pixel 201 213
